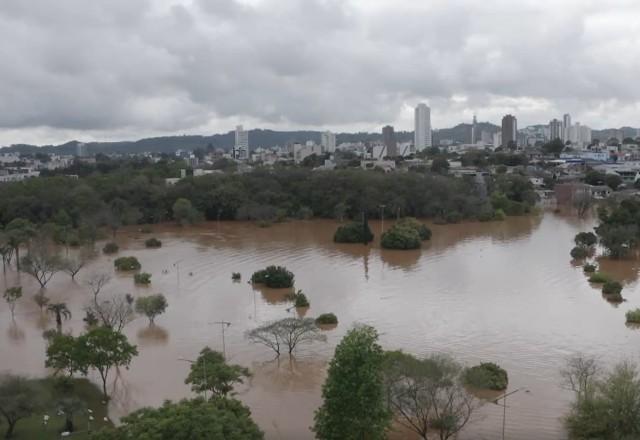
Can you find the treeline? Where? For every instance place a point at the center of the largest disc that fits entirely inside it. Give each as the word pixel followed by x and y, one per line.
pixel 134 192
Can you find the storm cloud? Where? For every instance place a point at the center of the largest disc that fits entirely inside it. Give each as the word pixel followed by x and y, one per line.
pixel 113 69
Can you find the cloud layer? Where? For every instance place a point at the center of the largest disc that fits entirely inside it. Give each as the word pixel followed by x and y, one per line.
pixel 110 69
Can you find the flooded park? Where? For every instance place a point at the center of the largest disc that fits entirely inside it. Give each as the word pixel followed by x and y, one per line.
pixel 505 292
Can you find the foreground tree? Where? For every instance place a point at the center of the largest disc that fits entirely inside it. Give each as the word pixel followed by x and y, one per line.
pixel 607 404
pixel 286 333
pixel 427 395
pixel 105 349
pixel 197 419
pixel 354 404
pixel 64 355
pixel 19 398
pixel 11 296
pixel 211 373
pixel 151 306
pixel 60 312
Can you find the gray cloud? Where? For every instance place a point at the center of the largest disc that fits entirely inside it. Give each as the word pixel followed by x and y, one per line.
pixel 114 68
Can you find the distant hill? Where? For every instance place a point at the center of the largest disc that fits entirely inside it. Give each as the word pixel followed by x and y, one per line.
pixel 269 138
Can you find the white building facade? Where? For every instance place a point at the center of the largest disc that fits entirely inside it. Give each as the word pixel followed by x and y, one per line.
pixel 422 134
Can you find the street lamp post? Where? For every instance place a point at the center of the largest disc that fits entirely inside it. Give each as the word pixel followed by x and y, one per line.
pixel 223 326
pixel 504 406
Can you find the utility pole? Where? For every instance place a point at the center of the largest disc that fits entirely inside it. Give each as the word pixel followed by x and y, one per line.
pixel 223 327
pixel 504 407
pixel 382 218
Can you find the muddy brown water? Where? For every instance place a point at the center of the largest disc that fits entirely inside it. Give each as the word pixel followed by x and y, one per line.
pixel 505 292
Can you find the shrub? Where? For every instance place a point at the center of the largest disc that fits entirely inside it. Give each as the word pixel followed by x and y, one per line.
pixel 410 222
pixel 327 318
pixel 499 215
pixel 127 263
pixel 146 229
pixel 300 299
pixel 400 237
pixel 599 278
pixel 235 276
pixel 579 253
pixel 153 243
pixel 110 248
pixel 612 288
pixel 589 268
pixel 142 278
pixel 487 375
pixel 354 232
pixel 585 239
pixel 273 276
pixel 633 316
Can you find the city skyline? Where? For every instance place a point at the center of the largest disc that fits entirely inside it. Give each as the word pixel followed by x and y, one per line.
pixel 176 66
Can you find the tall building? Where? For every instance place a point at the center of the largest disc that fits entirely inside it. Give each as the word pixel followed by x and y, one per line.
pixel 241 147
pixel 556 129
pixel 566 127
pixel 389 139
pixel 474 130
pixel 422 133
pixel 509 131
pixel 81 149
pixel 328 142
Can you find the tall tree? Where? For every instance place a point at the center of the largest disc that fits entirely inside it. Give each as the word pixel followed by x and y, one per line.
pixel 354 404
pixel 18 232
pixel 105 349
pixel 211 373
pixel 64 354
pixel 19 398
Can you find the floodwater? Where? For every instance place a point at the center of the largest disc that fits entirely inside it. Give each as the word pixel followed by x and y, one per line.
pixel 504 291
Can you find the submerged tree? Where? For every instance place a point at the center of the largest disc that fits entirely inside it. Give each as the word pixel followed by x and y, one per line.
pixel 60 312
pixel 42 263
pixel 427 395
pixel 211 373
pixel 114 313
pixel 12 295
pixel 18 232
pixel 286 333
pixel 96 282
pixel 151 306
pixel 354 404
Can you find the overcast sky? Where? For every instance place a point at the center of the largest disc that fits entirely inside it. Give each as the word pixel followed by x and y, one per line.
pixel 126 69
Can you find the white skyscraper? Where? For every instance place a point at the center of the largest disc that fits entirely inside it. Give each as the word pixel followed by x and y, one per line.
pixel 422 135
pixel 241 147
pixel 328 142
pixel 566 127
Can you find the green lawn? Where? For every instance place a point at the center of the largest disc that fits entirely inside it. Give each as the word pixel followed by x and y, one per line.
pixel 33 428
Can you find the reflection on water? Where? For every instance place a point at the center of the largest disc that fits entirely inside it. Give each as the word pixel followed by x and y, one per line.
pixel 500 291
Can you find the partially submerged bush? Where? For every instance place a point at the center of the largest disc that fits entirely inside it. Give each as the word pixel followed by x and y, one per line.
pixel 421 228
pixel 300 300
pixel 599 278
pixel 400 237
pixel 633 316
pixel 110 248
pixel 612 288
pixel 142 278
pixel 356 232
pixel 585 239
pixel 235 276
pixel 127 263
pixel 589 268
pixel 327 318
pixel 276 277
pixel 153 243
pixel 578 253
pixel 488 376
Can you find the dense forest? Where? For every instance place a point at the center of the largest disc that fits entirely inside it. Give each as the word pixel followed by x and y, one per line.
pixel 114 193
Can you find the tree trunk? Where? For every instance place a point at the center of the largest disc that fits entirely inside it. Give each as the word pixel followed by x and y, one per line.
pixel 18 258
pixel 59 322
pixel 9 432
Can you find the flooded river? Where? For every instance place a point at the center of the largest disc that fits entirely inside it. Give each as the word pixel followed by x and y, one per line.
pixel 504 292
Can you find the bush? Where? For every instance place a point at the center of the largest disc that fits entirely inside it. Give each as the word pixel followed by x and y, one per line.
pixel 142 278
pixel 146 229
pixel 235 276
pixel 127 263
pixel 599 278
pixel 276 277
pixel 400 237
pixel 300 300
pixel 612 288
pixel 589 268
pixel 487 376
pixel 110 248
pixel 327 318
pixel 499 215
pixel 633 316
pixel 586 239
pixel 578 253
pixel 153 243
pixel 353 233
pixel 421 228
